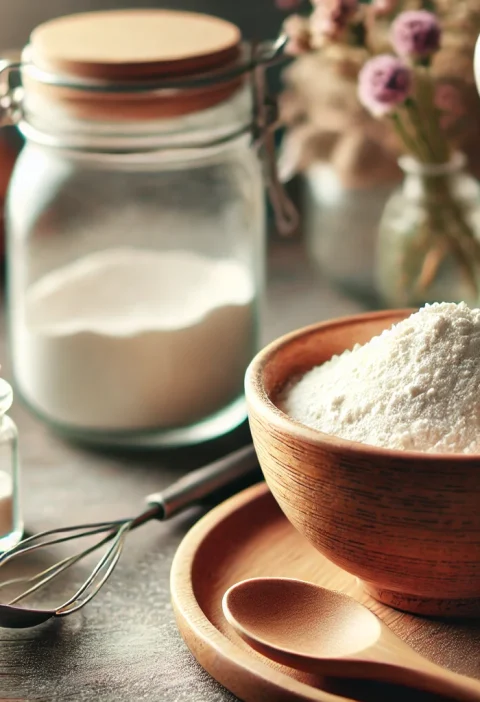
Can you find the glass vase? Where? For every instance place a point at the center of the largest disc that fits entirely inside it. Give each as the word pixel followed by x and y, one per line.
pixel 428 248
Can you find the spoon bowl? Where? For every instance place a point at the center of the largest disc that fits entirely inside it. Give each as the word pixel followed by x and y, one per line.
pixel 274 609
pixel 309 628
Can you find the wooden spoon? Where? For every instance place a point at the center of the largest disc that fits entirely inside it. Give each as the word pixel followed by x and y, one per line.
pixel 310 628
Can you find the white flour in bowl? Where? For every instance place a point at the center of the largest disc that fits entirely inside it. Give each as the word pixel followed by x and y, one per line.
pixel 415 386
pixel 134 339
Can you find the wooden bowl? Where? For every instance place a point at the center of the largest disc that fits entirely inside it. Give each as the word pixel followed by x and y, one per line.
pixel 406 523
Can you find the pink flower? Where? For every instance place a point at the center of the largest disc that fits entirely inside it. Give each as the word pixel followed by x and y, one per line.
pixel 416 34
pixel 330 17
pixel 383 83
pixel 297 30
pixel 384 7
pixel 287 5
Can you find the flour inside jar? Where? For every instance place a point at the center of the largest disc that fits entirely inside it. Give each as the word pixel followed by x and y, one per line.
pixel 416 386
pixel 135 339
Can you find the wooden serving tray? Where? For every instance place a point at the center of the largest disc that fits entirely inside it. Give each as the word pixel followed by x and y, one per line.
pixel 249 536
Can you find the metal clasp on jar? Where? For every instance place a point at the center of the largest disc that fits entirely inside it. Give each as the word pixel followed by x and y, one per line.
pixel 11 92
pixel 266 124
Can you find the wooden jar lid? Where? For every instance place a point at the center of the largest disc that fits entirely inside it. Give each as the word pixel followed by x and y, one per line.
pixel 132 46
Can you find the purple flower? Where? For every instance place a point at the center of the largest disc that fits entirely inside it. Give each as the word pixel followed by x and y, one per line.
pixel 383 83
pixel 297 30
pixel 416 34
pixel 330 17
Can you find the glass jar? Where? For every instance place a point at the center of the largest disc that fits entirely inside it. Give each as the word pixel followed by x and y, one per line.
pixel 136 256
pixel 429 237
pixel 340 226
pixel 11 527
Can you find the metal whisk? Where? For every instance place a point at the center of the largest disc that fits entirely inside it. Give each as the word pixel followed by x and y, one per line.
pixel 185 492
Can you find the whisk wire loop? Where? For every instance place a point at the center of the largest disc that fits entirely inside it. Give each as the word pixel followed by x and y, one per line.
pixel 28 545
pixel 98 576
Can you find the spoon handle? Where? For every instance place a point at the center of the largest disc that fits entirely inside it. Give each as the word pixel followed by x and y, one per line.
pixel 445 682
pixel 418 674
pixel 405 666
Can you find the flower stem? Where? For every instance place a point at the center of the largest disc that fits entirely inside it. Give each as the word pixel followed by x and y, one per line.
pixel 448 220
pixel 429 116
pixel 417 122
pixel 405 136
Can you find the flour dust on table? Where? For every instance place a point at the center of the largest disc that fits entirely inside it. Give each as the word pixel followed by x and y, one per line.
pixel 127 339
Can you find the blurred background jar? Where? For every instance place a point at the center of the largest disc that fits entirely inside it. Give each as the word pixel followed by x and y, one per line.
pixel 347 164
pixel 136 229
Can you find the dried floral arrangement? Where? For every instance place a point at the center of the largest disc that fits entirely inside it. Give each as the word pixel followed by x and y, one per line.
pixel 408 62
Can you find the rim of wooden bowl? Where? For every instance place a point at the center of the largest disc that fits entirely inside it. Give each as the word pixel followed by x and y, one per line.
pixel 259 400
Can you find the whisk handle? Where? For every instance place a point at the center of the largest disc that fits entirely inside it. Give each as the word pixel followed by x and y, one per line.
pixel 201 483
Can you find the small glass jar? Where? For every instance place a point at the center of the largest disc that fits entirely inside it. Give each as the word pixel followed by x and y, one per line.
pixel 136 249
pixel 11 527
pixel 429 237
pixel 341 226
